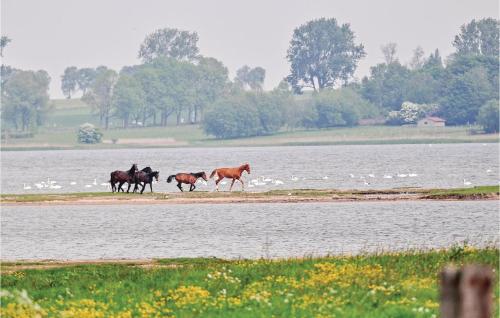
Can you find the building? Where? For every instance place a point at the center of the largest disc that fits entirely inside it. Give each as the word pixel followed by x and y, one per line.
pixel 431 122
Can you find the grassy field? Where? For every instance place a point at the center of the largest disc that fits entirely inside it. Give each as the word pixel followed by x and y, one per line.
pixel 397 284
pixel 62 124
pixel 284 195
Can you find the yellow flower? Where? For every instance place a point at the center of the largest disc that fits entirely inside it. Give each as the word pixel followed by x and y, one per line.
pixel 187 295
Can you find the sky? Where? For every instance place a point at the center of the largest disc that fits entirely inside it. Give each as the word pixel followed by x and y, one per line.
pixel 55 34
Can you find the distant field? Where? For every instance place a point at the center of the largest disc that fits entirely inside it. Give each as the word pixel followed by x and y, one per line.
pixel 62 124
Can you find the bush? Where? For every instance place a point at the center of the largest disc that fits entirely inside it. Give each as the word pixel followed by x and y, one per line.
pixel 488 116
pixel 410 113
pixel 88 134
pixel 244 115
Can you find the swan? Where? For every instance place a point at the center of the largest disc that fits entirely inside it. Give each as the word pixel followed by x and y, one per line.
pixel 412 175
pixel 95 182
pixel 88 186
pixel 467 182
pixel 402 175
pixel 351 175
pixel 38 185
pixel 371 175
pixel 294 178
pixel 325 178
pixel 55 186
pixel 267 179
pixel 105 184
pixel 387 176
pixel 26 187
pixel 278 182
pixel 72 183
pixel 366 183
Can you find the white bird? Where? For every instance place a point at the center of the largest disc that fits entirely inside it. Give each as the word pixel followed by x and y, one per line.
pixel 267 179
pixel 325 178
pixel 412 175
pixel 289 193
pixel 38 185
pixel 294 178
pixel 278 182
pixel 26 187
pixel 251 185
pixel 351 175
pixel 488 171
pixel 467 183
pixel 366 183
pixel 72 183
pixel 88 186
pixel 55 186
pixel 387 176
pixel 95 182
pixel 402 175
pixel 371 175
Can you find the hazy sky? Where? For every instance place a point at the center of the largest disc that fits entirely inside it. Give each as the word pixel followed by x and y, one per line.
pixel 54 34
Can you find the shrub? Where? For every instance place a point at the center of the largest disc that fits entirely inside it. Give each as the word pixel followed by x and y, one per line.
pixel 88 134
pixel 488 116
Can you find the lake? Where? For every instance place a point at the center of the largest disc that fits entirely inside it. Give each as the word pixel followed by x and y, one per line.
pixel 241 230
pixel 341 167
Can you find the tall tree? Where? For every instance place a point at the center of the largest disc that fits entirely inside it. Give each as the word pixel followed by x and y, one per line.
pixel 322 53
pixel 85 78
pixel 389 51
pixel 478 38
pixel 25 99
pixel 128 99
pixel 4 40
pixel 167 42
pixel 69 81
pixel 99 96
pixel 250 78
pixel 418 60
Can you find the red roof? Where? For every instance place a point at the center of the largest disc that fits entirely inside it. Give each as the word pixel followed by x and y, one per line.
pixel 435 119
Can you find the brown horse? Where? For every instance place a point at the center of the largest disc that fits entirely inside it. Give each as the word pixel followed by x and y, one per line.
pixel 121 177
pixel 230 173
pixel 188 178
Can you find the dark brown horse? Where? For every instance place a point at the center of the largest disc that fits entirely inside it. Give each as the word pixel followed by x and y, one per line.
pixel 145 178
pixel 122 177
pixel 230 173
pixel 188 178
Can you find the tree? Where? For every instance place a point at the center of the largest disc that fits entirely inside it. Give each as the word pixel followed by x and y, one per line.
pixel 69 81
pixel 99 96
pixel 488 116
pixel 417 61
pixel 322 53
pixel 128 99
pixel 84 78
pixel 389 52
pixel 210 82
pixel 478 38
pixel 250 78
pixel 167 42
pixel 25 99
pixel 4 40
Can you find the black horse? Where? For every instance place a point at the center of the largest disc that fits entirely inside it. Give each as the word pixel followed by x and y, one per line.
pixel 145 178
pixel 121 177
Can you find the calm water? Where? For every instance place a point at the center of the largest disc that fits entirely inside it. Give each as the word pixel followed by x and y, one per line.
pixel 247 231
pixel 312 167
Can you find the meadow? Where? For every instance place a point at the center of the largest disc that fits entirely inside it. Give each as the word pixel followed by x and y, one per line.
pixel 60 129
pixel 388 284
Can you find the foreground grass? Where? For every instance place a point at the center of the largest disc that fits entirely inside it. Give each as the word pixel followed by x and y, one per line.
pixel 479 192
pixel 387 285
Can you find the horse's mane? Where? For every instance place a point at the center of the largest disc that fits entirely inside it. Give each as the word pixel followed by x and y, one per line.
pixel 197 174
pixel 147 170
pixel 132 169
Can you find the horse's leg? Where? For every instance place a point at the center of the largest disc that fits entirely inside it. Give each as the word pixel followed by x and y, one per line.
pixel 128 188
pixel 231 187
pixel 179 185
pixel 242 185
pixel 192 187
pixel 120 186
pixel 143 187
pixel 151 186
pixel 217 184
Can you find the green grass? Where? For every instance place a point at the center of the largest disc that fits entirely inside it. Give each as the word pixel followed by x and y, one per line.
pixel 62 123
pixel 397 284
pixel 479 192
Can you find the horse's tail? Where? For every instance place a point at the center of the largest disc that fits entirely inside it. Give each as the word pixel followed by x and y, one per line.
pixel 213 174
pixel 169 179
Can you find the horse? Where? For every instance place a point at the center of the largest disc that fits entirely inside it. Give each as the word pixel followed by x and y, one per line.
pixel 145 177
pixel 146 170
pixel 188 178
pixel 231 173
pixel 121 177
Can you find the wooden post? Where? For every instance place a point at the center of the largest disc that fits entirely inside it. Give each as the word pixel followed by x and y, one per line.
pixel 466 292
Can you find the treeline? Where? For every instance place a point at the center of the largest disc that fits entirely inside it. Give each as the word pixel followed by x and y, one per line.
pixel 175 84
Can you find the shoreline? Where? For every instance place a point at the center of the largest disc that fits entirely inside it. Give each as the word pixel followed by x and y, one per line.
pixel 273 196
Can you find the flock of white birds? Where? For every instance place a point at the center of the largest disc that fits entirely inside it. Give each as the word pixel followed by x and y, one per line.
pixel 260 181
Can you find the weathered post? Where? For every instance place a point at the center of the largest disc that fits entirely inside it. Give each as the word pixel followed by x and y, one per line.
pixel 466 292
